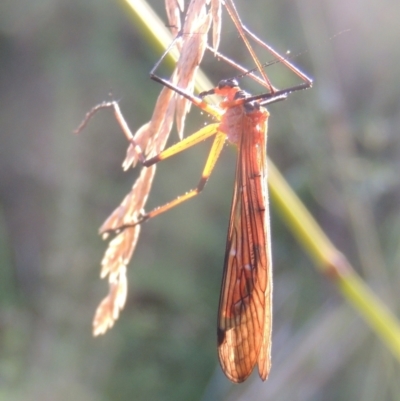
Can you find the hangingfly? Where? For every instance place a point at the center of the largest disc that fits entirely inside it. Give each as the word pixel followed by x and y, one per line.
pixel 245 306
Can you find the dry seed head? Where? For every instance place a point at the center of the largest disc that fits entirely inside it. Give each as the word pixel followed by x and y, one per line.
pixel 151 139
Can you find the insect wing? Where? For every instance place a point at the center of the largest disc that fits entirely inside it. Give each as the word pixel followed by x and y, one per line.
pixel 244 320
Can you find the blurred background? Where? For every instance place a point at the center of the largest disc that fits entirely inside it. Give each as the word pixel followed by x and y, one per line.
pixel 337 144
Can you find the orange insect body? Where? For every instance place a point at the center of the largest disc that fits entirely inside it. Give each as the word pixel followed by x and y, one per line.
pixel 245 309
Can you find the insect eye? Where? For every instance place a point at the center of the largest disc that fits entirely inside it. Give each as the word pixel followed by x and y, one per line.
pixel 230 83
pixel 240 95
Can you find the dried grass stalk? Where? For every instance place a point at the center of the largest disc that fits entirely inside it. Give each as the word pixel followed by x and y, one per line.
pixel 148 141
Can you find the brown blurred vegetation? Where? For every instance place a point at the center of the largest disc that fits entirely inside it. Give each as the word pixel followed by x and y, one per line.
pixel 337 144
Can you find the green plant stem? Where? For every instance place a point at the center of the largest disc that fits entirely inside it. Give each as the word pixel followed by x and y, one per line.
pixel 332 263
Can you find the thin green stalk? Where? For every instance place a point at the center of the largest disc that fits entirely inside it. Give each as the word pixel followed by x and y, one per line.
pixel 331 262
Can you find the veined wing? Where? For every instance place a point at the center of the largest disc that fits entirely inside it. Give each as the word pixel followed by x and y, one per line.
pixel 244 321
